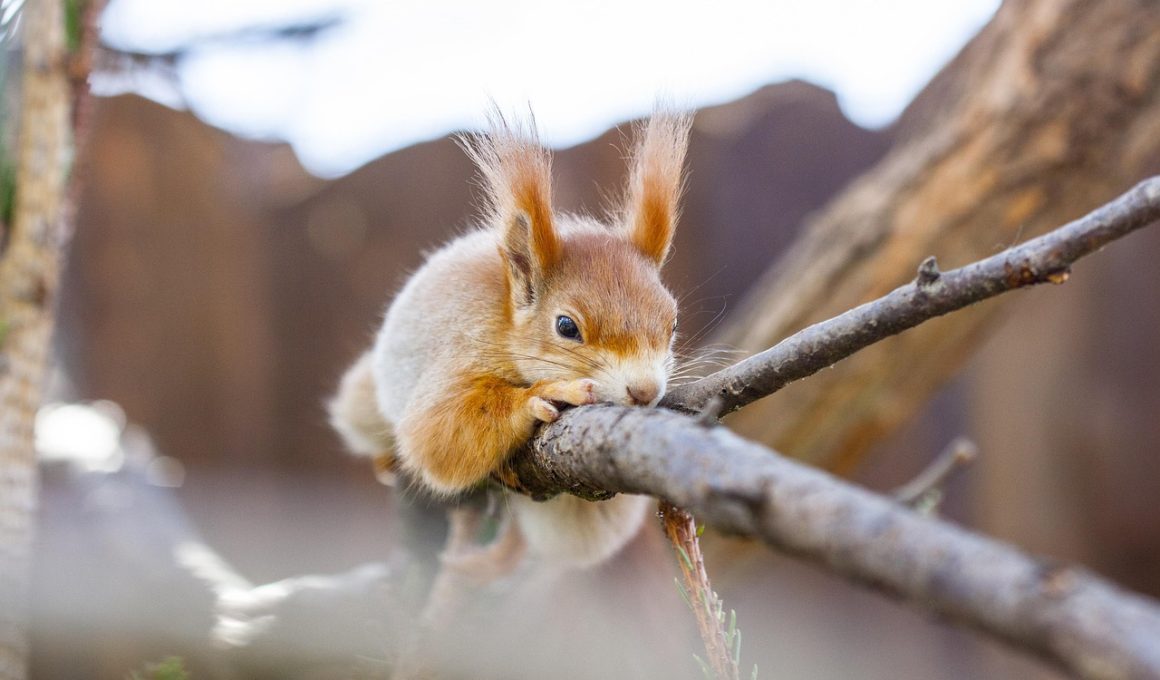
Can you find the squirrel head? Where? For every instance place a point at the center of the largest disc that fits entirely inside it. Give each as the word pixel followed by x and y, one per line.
pixel 585 299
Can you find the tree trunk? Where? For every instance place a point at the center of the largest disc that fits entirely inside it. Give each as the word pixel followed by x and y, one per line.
pixel 28 275
pixel 1050 111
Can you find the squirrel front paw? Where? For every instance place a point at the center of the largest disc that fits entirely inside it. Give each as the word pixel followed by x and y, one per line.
pixel 575 392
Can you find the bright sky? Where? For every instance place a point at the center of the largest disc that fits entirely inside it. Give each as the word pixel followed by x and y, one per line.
pixel 394 73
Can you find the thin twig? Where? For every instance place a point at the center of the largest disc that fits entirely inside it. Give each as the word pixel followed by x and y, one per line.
pixel 1045 259
pixel 707 607
pixel 957 455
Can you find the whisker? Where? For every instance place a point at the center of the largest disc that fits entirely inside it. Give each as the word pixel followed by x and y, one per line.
pixel 526 357
pixel 597 362
pixel 502 353
pixel 695 364
pixel 685 294
pixel 704 361
pixel 712 325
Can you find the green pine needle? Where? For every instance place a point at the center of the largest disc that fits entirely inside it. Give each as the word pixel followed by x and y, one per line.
pixel 7 187
pixel 170 668
pixel 704 667
pixel 684 593
pixel 74 23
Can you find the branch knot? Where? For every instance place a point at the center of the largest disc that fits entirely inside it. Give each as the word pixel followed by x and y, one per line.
pixel 928 273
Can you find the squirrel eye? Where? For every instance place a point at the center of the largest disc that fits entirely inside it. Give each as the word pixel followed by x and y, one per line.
pixel 567 328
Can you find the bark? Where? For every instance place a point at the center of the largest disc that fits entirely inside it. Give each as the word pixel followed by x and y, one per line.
pixel 28 275
pixel 1071 618
pixel 1052 109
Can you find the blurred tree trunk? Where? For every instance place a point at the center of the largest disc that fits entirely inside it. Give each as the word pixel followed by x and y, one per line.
pixel 1050 111
pixel 28 276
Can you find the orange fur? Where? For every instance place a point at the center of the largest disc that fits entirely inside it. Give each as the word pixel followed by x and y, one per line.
pixel 616 295
pixel 485 415
pixel 656 183
pixel 531 198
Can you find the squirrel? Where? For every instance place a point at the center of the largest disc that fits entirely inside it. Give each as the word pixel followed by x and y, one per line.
pixel 503 326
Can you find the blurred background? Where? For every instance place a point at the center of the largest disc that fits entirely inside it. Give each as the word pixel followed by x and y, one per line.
pixel 260 177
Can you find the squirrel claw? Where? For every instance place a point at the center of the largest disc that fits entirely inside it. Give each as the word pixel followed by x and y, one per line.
pixel 543 410
pixel 587 391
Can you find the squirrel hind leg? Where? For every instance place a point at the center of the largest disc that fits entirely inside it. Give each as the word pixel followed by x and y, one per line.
pixel 354 413
pixel 571 532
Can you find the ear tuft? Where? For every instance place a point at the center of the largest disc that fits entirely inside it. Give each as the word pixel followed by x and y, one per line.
pixel 516 173
pixel 652 202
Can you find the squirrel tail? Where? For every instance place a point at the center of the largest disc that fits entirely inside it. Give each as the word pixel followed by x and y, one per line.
pixel 354 413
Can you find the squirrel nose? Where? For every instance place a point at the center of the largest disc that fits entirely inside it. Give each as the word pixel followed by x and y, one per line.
pixel 643 393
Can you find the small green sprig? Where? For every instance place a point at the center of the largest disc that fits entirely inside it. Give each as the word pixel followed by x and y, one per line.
pixel 717 611
pixel 169 668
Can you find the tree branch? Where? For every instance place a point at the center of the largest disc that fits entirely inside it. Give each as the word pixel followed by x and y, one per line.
pixel 1046 259
pixel 1064 614
pixel 928 484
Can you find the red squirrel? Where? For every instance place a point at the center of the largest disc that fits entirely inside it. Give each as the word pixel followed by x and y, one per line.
pixel 507 323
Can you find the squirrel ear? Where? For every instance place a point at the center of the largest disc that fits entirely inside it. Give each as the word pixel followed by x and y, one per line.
pixel 655 184
pixel 516 174
pixel 529 249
